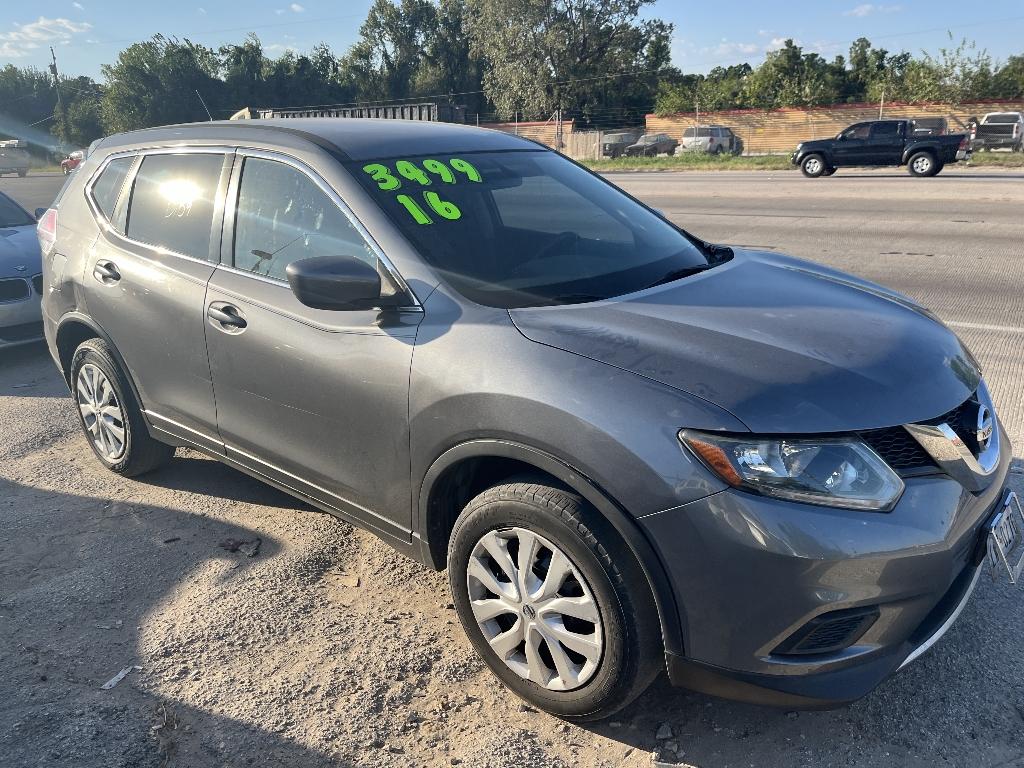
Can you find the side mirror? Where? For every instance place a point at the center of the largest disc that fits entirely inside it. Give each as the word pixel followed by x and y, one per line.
pixel 335 283
pixel 39 213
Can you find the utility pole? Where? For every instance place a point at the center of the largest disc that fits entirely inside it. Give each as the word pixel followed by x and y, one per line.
pixel 60 102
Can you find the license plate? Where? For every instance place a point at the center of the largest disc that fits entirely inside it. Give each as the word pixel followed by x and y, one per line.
pixel 1006 538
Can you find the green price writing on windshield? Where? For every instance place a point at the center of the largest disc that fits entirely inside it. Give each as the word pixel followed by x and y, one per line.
pixel 388 181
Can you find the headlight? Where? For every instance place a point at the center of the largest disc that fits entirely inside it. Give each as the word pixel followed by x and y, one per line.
pixel 836 472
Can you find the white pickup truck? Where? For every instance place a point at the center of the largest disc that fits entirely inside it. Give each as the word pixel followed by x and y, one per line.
pixel 999 130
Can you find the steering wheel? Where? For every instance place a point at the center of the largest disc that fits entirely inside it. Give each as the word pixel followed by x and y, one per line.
pixel 549 250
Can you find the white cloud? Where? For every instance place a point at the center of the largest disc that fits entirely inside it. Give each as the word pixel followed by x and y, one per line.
pixel 296 8
pixel 866 9
pixel 280 47
pixel 26 37
pixel 79 6
pixel 726 48
pixel 202 11
pixel 777 43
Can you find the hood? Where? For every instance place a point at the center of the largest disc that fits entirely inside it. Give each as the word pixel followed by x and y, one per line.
pixel 19 247
pixel 784 345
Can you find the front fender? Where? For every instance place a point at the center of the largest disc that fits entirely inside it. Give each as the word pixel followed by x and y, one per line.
pixel 671 614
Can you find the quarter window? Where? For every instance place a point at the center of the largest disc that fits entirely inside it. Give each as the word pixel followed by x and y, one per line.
pixel 107 188
pixel 283 216
pixel 885 130
pixel 173 201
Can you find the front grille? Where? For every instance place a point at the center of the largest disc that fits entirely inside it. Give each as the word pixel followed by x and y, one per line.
pixel 37 283
pixel 22 332
pixel 829 632
pixel 899 449
pixel 906 456
pixel 14 289
pixel 963 420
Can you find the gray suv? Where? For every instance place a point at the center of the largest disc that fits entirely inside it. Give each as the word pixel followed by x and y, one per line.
pixel 632 450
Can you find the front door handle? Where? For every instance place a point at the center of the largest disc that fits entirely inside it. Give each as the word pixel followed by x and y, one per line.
pixel 227 316
pixel 106 272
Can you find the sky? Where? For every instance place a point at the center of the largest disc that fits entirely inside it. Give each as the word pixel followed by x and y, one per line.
pixel 88 33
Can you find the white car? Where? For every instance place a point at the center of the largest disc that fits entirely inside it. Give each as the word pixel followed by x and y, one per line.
pixel 21 280
pixel 713 139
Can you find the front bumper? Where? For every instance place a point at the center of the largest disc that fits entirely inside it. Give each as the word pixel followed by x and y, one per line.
pixel 21 322
pixel 749 573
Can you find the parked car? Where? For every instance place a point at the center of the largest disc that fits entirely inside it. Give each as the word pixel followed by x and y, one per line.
pixel 630 448
pixel 652 144
pixel 614 144
pixel 14 157
pixel 999 130
pixel 72 161
pixel 713 139
pixel 21 283
pixel 881 143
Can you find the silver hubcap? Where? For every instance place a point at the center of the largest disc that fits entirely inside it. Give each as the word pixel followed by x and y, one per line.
pixel 535 609
pixel 813 165
pixel 922 164
pixel 101 412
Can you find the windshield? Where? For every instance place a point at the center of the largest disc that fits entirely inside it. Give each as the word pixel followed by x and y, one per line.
pixel 1010 117
pixel 526 228
pixel 12 214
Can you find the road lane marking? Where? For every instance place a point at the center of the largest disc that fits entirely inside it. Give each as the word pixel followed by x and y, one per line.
pixel 985 327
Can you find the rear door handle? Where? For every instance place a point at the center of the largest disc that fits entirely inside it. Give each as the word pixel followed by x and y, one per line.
pixel 106 272
pixel 227 316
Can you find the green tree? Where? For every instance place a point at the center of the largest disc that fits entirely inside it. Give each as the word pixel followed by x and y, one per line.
pixel 1008 80
pixel 546 54
pixel 387 59
pixel 155 83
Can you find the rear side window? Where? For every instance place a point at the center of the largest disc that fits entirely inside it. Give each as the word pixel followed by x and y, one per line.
pixel 283 216
pixel 107 188
pixel 704 133
pixel 173 200
pixel 689 133
pixel 885 130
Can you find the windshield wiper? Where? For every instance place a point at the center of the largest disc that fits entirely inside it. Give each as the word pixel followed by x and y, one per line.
pixel 679 274
pixel 576 298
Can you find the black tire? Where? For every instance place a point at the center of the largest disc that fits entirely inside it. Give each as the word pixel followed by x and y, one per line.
pixel 141 452
pixel 923 164
pixel 813 166
pixel 632 654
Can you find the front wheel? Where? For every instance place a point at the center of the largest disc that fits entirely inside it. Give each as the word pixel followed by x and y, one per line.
pixel 553 601
pixel 813 166
pixel 923 164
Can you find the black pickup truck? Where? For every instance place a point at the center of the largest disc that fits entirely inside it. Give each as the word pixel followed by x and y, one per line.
pixel 879 143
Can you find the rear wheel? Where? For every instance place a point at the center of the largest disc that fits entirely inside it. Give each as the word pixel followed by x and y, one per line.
pixel 110 417
pixel 923 164
pixel 813 166
pixel 553 601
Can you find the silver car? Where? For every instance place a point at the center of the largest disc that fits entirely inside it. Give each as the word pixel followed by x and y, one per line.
pixel 713 139
pixel 21 283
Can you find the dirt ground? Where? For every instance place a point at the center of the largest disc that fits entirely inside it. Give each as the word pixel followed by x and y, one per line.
pixel 261 633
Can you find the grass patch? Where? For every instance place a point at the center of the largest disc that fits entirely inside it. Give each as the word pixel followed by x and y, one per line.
pixel 696 161
pixel 997 160
pixel 693 161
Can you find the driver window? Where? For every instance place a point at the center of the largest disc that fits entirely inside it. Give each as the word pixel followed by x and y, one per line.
pixel 857 131
pixel 283 216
